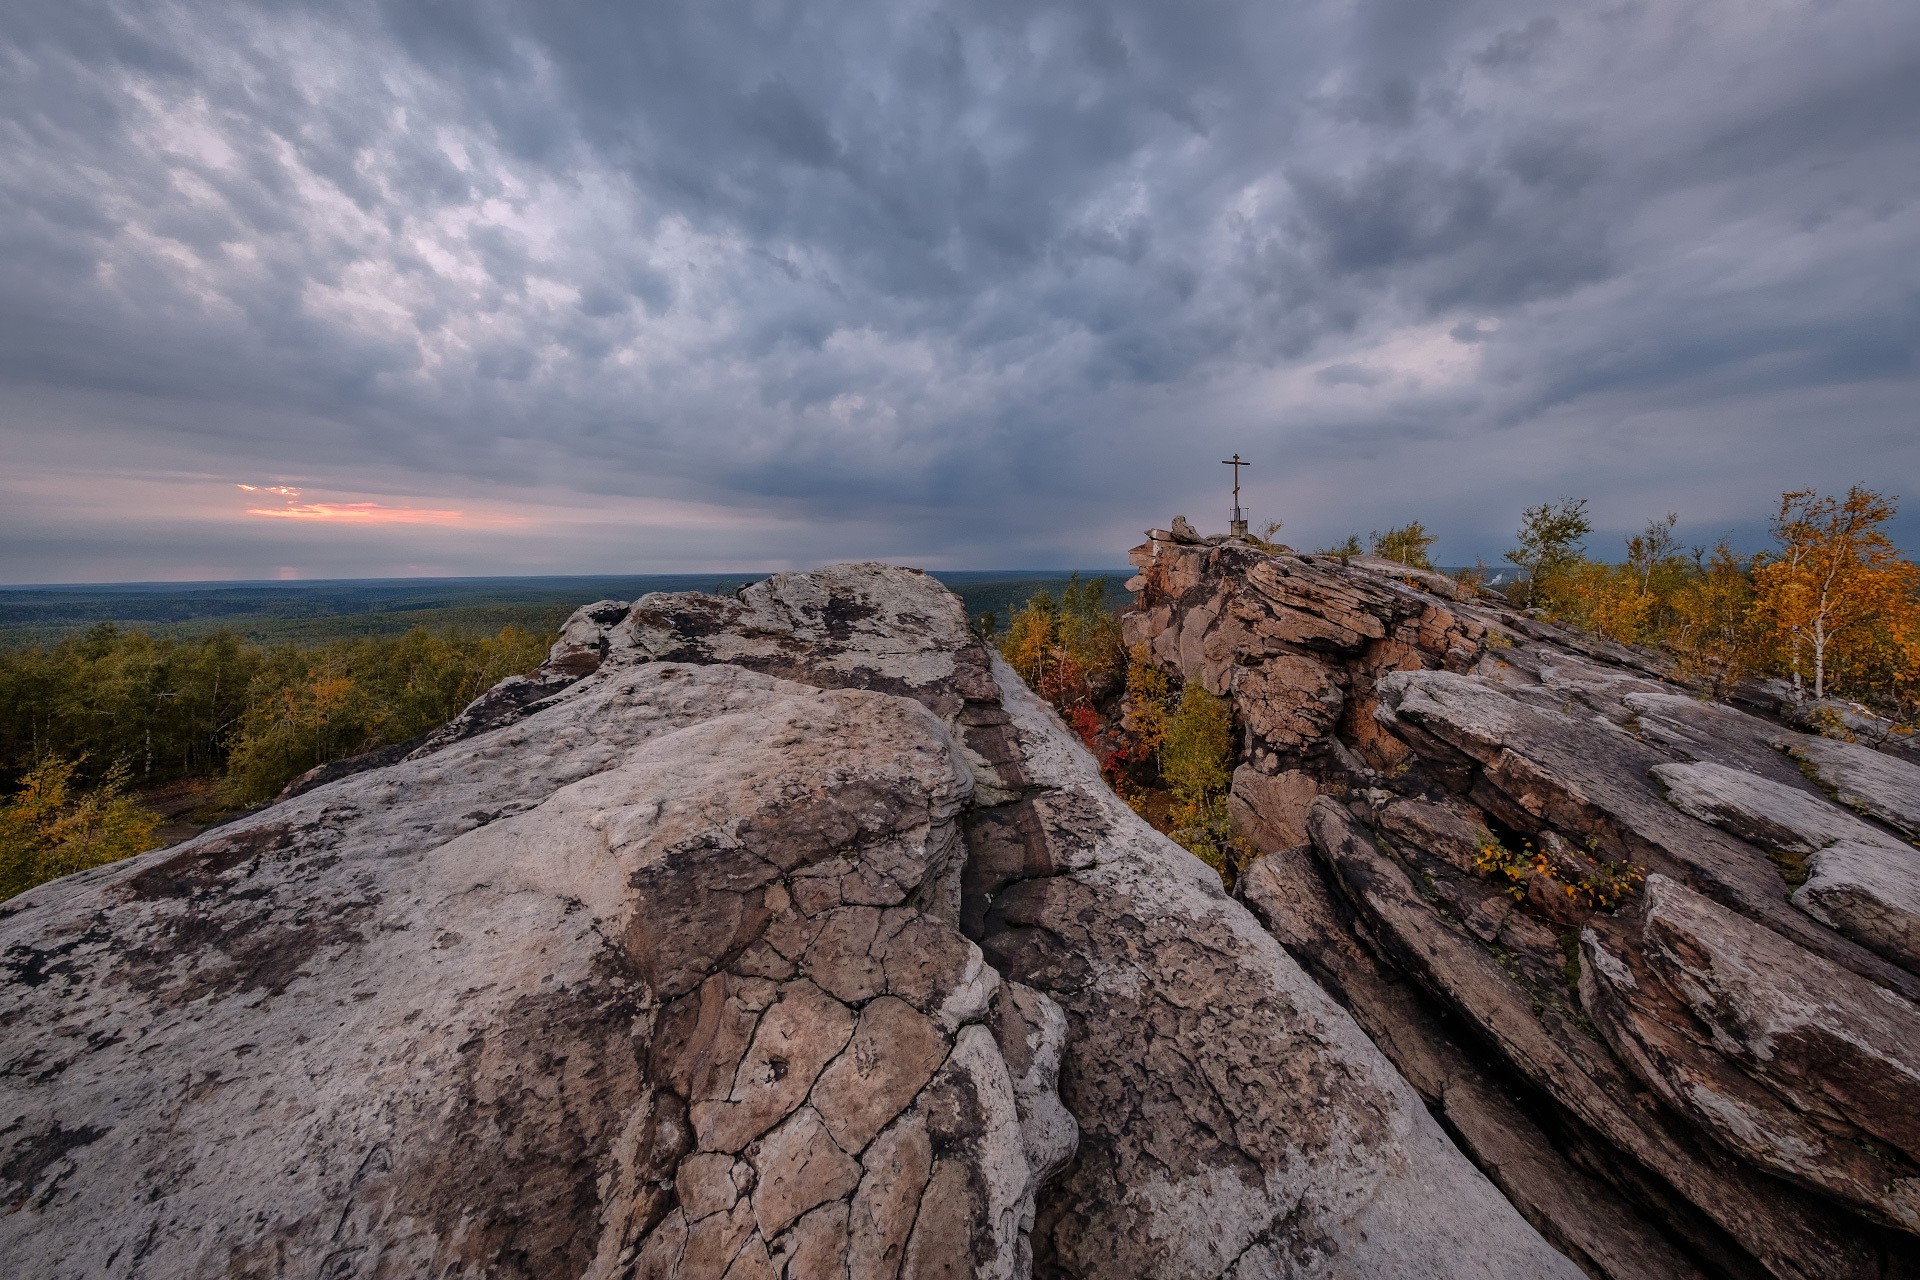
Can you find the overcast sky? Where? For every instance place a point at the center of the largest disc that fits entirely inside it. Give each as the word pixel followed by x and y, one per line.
pixel 611 287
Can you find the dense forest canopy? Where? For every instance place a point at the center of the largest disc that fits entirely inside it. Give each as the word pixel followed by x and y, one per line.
pixel 160 708
pixel 88 721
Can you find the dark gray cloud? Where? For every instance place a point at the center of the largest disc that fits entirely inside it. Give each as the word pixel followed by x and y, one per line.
pixel 650 286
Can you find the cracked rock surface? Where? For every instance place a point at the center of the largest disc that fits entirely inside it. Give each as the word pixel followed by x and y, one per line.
pixel 783 935
pixel 1653 960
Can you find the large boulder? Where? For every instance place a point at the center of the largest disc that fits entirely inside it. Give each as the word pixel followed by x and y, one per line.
pixel 635 982
pixel 1232 1119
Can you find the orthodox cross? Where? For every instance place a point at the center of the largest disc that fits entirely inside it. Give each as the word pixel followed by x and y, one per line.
pixel 1239 517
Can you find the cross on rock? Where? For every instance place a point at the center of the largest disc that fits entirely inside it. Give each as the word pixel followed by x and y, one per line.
pixel 1239 524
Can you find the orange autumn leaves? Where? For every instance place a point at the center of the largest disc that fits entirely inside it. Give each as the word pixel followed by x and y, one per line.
pixel 1833 606
pixel 1837 597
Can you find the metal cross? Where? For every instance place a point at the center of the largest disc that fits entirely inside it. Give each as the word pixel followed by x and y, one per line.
pixel 1236 464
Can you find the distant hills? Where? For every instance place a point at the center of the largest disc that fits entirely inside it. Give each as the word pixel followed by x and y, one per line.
pixel 320 611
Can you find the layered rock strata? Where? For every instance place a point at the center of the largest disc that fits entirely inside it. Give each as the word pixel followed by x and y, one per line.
pixel 776 935
pixel 1651 959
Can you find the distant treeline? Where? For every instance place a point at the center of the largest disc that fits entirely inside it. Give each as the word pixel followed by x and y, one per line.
pixel 309 613
pixel 321 612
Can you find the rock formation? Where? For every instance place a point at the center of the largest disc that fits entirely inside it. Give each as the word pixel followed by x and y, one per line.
pixel 788 935
pixel 1652 960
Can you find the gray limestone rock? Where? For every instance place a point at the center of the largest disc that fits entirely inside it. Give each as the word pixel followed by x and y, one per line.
pixel 1875 783
pixel 1870 892
pixel 1806 1069
pixel 1759 810
pixel 1234 1120
pixel 777 935
pixel 1861 880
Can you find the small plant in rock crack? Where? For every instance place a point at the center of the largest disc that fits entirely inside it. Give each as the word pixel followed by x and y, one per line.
pixel 1600 886
pixel 1514 866
pixel 1607 887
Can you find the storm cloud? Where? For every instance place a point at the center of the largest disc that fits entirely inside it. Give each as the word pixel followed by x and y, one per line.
pixel 609 287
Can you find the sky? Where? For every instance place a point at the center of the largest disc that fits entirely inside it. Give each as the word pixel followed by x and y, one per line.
pixel 471 287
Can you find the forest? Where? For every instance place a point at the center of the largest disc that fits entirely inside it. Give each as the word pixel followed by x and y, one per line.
pixel 138 715
pixel 91 725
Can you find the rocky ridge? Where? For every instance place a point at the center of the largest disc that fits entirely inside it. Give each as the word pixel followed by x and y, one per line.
pixel 780 935
pixel 1651 959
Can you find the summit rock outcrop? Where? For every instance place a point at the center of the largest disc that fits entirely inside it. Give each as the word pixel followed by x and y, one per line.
pixel 1650 958
pixel 776 935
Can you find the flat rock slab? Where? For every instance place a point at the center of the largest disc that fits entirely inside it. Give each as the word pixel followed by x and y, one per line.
pixel 1809 1070
pixel 1875 783
pixel 1871 893
pixel 1861 879
pixel 1771 814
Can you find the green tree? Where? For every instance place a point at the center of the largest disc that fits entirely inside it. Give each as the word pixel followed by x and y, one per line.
pixel 1552 540
pixel 1408 544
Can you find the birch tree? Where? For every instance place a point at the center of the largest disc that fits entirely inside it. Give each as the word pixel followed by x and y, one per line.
pixel 1835 577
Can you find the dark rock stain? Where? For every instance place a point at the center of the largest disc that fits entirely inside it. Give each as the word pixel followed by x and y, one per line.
pixel 31 1159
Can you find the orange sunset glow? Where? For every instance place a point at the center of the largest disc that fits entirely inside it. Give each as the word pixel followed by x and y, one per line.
pixel 357 512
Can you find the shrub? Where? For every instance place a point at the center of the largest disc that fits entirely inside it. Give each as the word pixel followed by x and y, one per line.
pixel 1408 544
pixel 1602 598
pixel 1346 550
pixel 1598 885
pixel 1148 700
pixel 1196 761
pixel 1713 632
pixel 48 829
pixel 1552 537
pixel 1067 650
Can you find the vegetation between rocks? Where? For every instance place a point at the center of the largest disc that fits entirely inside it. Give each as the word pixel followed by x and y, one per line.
pixel 50 829
pixel 1167 752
